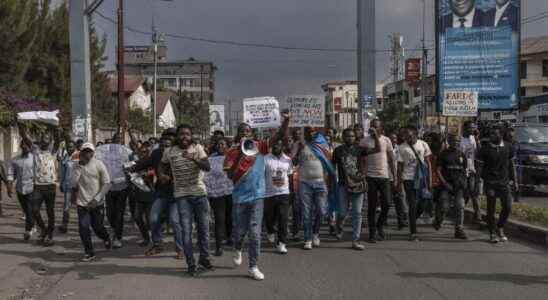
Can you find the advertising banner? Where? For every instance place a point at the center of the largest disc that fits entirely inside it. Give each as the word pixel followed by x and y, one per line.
pixel 306 111
pixel 478 50
pixel 460 104
pixel 262 112
pixel 412 70
pixel 216 117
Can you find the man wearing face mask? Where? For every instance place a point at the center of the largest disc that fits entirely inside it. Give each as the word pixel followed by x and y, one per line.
pixel 464 14
pixel 498 174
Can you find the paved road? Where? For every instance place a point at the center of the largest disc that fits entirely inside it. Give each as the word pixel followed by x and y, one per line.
pixel 438 267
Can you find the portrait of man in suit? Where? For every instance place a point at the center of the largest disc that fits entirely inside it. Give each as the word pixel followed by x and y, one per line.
pixel 505 13
pixel 464 14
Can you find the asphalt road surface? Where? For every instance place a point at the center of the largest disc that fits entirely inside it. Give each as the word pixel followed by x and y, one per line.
pixel 438 267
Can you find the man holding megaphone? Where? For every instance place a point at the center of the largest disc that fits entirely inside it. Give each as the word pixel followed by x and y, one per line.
pixel 244 164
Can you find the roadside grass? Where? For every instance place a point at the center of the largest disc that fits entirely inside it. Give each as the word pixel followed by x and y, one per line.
pixel 523 212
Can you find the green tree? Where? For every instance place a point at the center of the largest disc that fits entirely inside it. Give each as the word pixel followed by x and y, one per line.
pixel 194 112
pixel 394 116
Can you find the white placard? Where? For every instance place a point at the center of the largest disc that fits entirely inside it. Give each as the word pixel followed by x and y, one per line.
pixel 262 112
pixel 216 117
pixel 460 104
pixel 306 111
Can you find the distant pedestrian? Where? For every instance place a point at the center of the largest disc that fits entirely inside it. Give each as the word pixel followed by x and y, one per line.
pixel 91 183
pixel 67 163
pixel 469 145
pixel 398 197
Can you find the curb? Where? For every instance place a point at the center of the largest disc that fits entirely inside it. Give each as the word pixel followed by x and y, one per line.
pixel 516 229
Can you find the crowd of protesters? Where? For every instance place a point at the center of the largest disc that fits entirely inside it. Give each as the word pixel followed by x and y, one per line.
pixel 294 181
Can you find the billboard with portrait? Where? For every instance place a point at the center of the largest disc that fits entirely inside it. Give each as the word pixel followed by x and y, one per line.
pixel 477 50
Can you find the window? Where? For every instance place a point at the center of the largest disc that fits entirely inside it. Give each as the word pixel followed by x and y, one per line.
pixel 522 92
pixel 523 70
pixel 545 68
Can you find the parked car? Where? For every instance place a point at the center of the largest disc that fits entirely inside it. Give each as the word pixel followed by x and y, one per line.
pixel 532 157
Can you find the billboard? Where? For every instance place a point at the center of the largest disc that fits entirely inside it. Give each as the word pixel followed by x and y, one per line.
pixel 216 117
pixel 412 70
pixel 477 45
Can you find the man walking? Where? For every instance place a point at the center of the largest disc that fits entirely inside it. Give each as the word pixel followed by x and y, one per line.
pixel 498 174
pixel 67 163
pixel 91 183
pixel 188 161
pixel 469 146
pixel 379 166
pixel 451 168
pixel 352 184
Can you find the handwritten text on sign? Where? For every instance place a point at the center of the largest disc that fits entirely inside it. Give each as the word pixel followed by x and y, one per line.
pixel 307 111
pixel 263 112
pixel 460 103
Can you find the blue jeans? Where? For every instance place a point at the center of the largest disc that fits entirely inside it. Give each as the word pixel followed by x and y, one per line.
pixel 248 219
pixel 194 208
pixel 160 205
pixel 313 195
pixel 356 200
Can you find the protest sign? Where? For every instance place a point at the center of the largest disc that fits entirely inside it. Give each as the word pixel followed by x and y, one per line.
pixel 460 103
pixel 262 112
pixel 306 111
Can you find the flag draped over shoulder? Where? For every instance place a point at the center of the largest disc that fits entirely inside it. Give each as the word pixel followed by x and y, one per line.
pixel 251 185
pixel 320 148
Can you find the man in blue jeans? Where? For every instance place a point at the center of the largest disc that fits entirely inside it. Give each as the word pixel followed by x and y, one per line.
pixel 247 171
pixel 163 199
pixel 352 185
pixel 188 161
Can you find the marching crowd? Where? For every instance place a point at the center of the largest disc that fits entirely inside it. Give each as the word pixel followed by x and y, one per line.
pixel 175 182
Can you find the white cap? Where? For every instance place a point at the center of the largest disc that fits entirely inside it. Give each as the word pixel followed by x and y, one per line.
pixel 88 146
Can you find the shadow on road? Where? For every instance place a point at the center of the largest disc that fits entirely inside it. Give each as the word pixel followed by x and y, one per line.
pixel 501 277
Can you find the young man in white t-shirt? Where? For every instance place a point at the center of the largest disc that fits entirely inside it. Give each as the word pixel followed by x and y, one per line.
pixel 407 168
pixel 278 168
pixel 469 146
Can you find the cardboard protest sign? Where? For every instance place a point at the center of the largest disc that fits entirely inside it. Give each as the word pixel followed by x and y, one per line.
pixel 262 112
pixel 306 111
pixel 460 103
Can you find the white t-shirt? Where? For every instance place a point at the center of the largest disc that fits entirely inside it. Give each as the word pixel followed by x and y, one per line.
pixel 468 146
pixel 409 160
pixel 377 164
pixel 188 179
pixel 277 172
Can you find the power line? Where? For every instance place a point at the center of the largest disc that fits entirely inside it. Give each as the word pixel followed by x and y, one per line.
pixel 245 44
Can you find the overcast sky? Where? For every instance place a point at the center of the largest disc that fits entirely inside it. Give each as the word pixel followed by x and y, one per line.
pixel 247 72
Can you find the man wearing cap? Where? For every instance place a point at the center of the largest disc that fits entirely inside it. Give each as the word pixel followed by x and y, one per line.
pixel 91 184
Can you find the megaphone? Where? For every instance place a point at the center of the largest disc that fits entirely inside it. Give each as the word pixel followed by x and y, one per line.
pixel 249 147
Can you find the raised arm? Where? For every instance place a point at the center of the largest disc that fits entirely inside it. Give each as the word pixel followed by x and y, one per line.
pixel 283 133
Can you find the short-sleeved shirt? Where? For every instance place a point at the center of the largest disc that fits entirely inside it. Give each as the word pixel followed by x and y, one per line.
pixel 347 159
pixel 188 178
pixel 453 167
pixel 45 167
pixel 407 157
pixel 469 147
pixel 277 171
pixel 377 163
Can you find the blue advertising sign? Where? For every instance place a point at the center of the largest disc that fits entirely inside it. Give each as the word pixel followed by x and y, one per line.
pixel 478 51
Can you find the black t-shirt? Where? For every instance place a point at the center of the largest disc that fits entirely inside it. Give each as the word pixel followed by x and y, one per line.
pixel 495 160
pixel 347 159
pixel 164 190
pixel 453 167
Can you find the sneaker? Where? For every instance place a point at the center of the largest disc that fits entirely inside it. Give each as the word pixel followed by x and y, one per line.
pixel 413 238
pixel 48 242
pixel 307 246
pixel 218 252
pixel 117 244
pixel 155 249
pixel 108 244
pixel 332 231
pixel 271 238
pixel 357 246
pixel 339 236
pixel 206 264
pixel 493 238
pixel 179 254
pixel 88 258
pixel 27 235
pixel 502 237
pixel 316 240
pixel 436 225
pixel 402 225
pixel 281 248
pixel 460 234
pixel 380 234
pixel 237 258
pixel 192 271
pixel 256 274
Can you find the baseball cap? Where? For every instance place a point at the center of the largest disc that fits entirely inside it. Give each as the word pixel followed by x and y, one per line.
pixel 88 146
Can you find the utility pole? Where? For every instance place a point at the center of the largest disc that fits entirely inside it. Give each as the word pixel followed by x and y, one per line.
pixel 424 69
pixel 155 45
pixel 122 104
pixel 366 54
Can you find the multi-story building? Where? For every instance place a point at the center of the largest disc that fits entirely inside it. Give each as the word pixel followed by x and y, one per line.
pixel 341 103
pixel 195 78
